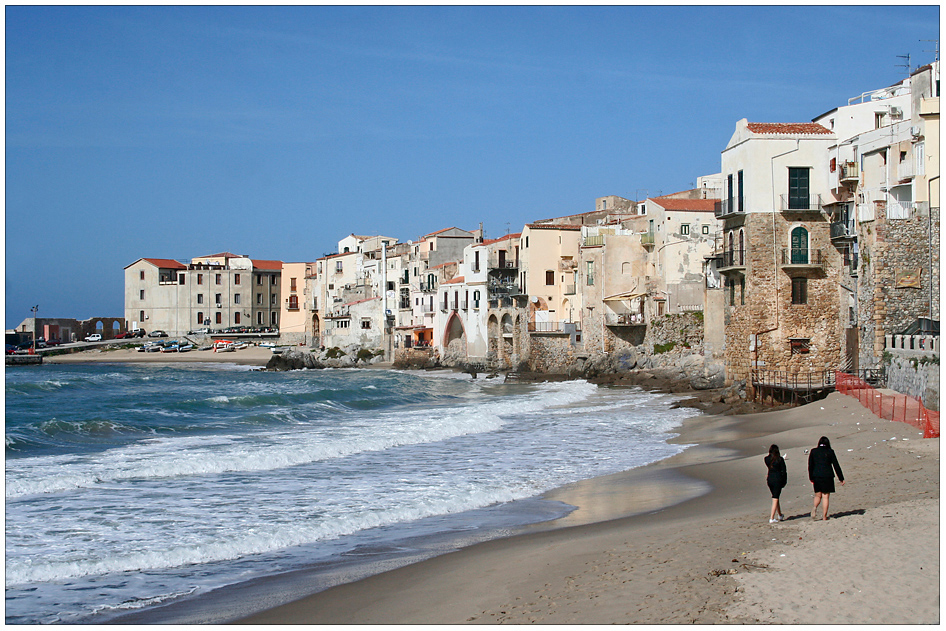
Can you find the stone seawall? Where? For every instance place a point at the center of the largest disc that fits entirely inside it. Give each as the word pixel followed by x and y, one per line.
pixel 915 374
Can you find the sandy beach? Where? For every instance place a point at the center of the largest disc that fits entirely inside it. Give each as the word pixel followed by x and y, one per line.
pixel 684 540
pixel 710 559
pixel 249 356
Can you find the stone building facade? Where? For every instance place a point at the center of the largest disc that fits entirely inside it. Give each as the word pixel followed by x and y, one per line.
pixel 777 259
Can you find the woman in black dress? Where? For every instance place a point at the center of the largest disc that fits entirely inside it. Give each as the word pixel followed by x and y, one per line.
pixel 822 464
pixel 776 478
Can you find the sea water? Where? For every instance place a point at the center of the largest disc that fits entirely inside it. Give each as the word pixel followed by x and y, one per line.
pixel 132 486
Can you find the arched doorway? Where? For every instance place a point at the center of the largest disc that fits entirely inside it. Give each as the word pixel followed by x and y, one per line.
pixel 799 246
pixel 492 336
pixel 454 333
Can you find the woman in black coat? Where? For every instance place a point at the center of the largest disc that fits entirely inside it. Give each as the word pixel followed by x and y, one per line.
pixel 822 465
pixel 776 478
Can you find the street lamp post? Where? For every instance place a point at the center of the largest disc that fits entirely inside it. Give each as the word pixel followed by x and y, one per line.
pixel 34 309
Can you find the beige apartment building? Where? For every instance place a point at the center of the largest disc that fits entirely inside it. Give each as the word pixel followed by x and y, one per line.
pixel 294 315
pixel 215 292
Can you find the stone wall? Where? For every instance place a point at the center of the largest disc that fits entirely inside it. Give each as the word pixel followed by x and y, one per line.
pixel 915 374
pixel 662 342
pixel 767 314
pixel 890 249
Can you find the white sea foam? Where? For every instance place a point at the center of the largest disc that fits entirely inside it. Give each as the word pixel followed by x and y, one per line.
pixel 134 525
pixel 224 454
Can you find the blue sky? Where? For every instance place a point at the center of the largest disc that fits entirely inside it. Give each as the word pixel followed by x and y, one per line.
pixel 175 132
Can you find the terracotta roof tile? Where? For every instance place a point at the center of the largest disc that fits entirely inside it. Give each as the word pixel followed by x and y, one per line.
pixel 445 264
pixel 675 203
pixel 553 226
pixel 166 263
pixel 358 302
pixel 457 279
pixel 273 265
pixel 505 238
pixel 787 128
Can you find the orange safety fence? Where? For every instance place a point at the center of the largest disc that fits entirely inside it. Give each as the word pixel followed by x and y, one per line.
pixel 893 407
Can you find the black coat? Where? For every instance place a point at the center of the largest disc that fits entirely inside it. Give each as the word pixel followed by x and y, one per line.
pixel 778 474
pixel 822 463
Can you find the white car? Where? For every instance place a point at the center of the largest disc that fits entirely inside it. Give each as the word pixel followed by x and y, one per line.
pixel 95 337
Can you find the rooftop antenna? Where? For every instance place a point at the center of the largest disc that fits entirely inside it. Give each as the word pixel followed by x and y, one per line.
pixel 906 65
pixel 935 51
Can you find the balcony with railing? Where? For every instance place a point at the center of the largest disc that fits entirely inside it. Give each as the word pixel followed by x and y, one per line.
pixel 800 204
pixel 624 319
pixel 841 230
pixel 496 287
pixel 731 260
pixel 803 258
pixel 647 239
pixel 551 327
pixel 593 240
pixel 906 171
pixel 501 302
pixel 900 210
pixel 496 263
pixel 727 207
pixel 848 172
pixel 428 288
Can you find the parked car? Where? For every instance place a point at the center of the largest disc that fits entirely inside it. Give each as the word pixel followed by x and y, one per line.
pixel 124 335
pixel 157 334
pixel 53 342
pixel 138 333
pixel 11 348
pixel 95 337
pixel 23 346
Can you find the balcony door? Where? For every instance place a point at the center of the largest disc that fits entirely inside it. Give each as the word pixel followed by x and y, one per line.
pixel 798 191
pixel 799 246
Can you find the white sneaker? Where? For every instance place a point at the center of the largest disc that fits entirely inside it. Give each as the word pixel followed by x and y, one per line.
pixel 773 521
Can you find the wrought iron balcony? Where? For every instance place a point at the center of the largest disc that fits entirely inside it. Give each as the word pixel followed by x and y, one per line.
pixel 551 327
pixel 727 207
pixel 801 204
pixel 625 319
pixel 803 258
pixel 647 239
pixel 848 172
pixel 495 263
pixel 731 259
pixel 842 230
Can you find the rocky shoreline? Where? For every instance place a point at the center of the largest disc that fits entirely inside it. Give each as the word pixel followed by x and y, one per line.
pixel 688 374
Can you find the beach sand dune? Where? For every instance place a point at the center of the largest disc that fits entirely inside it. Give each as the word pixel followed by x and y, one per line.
pixel 626 557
